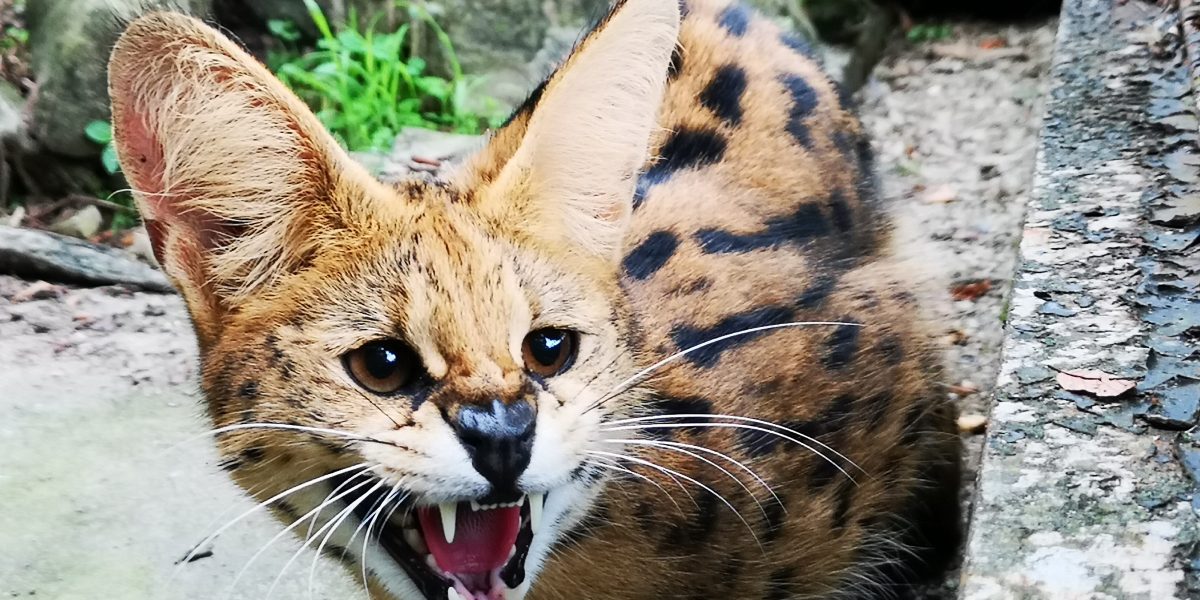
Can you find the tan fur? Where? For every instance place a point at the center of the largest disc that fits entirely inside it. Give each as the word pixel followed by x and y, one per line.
pixel 290 256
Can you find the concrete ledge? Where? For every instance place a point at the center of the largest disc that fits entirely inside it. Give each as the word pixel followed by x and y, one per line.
pixel 1078 496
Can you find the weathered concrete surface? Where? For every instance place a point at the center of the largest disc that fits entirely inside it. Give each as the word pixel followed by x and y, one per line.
pixel 104 483
pixel 1079 498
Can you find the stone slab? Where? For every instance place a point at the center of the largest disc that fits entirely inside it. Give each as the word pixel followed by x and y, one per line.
pixel 1078 496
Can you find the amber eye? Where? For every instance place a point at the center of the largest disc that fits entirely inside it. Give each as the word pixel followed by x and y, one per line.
pixel 549 352
pixel 382 367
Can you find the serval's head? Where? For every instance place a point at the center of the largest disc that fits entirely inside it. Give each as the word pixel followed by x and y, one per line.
pixel 428 362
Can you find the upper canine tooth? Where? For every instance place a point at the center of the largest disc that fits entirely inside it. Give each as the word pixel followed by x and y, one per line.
pixel 475 506
pixel 449 521
pixel 536 503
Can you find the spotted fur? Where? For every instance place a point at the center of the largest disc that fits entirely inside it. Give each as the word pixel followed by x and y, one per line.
pixel 688 174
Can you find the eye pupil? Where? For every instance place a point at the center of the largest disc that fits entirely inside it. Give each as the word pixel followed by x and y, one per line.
pixel 547 346
pixel 549 352
pixel 380 361
pixel 382 367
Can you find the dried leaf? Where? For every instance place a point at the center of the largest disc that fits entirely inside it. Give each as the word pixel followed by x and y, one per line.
pixel 1096 383
pixel 993 42
pixel 971 290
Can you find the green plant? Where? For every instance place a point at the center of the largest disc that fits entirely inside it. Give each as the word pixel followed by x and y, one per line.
pixel 365 86
pixel 124 215
pixel 929 33
pixel 100 132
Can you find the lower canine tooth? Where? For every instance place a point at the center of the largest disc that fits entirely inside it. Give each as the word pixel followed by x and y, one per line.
pixel 536 503
pixel 452 595
pixel 449 519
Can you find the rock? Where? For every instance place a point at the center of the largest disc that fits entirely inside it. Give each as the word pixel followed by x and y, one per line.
pixel 69 41
pixel 83 224
pixel 41 255
pixel 11 106
pixel 423 150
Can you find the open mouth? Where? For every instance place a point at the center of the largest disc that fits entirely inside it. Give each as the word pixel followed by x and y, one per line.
pixel 461 550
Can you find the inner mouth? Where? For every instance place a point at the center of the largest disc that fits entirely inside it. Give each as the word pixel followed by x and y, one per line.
pixel 466 550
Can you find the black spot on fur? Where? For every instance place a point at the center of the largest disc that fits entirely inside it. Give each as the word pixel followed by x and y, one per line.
pixel 697 529
pixel 804 102
pixel 841 346
pixel 841 507
pixel 686 337
pixel 678 407
pixel 686 148
pixel 892 350
pixel 253 455
pixel 249 390
pixel 816 293
pixel 649 256
pixel 842 218
pixel 689 148
pixel 875 408
pixel 801 226
pixel 230 464
pixel 797 43
pixel 735 20
pixel 723 95
pixel 775 518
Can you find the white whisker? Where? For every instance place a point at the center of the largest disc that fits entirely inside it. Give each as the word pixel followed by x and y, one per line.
pixel 685 448
pixel 663 469
pixel 212 536
pixel 647 423
pixel 315 513
pixel 318 430
pixel 616 467
pixel 331 525
pixel 623 386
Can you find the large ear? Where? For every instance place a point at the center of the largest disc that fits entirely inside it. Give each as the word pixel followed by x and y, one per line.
pixel 237 181
pixel 575 168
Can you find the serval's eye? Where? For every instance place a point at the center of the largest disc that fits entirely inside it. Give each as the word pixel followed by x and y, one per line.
pixel 549 352
pixel 382 367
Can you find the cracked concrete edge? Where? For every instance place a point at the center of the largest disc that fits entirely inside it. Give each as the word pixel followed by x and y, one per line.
pixel 1067 508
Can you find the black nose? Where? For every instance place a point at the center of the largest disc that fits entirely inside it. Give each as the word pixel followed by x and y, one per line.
pixel 499 439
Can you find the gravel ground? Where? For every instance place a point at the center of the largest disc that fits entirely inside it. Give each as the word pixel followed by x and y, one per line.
pixel 955 129
pixel 98 384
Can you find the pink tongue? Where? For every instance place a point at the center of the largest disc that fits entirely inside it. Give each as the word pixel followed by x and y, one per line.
pixel 482 539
